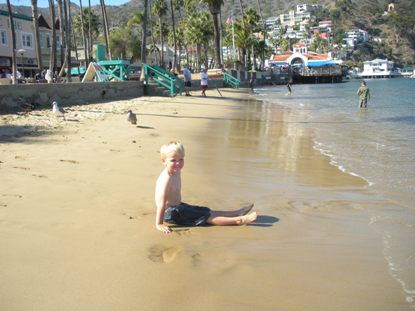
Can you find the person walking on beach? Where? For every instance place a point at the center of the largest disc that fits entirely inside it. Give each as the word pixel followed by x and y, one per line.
pixel 364 94
pixel 172 210
pixel 187 80
pixel 204 81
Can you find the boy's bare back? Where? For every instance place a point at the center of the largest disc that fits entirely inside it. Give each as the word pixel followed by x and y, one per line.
pixel 168 188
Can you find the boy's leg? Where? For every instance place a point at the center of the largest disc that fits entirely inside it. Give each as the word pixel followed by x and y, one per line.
pixel 218 220
pixel 239 212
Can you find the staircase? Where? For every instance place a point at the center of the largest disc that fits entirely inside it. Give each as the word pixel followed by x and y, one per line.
pixel 161 80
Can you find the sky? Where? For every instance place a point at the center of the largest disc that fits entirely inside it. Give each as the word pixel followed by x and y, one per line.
pixel 45 3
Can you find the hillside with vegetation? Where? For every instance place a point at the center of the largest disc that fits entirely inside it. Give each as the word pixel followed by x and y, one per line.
pixel 391 35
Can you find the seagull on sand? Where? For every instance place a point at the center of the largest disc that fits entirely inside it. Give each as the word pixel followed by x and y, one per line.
pixel 57 110
pixel 131 117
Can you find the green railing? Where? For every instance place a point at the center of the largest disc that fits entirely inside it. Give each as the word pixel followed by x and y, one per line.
pixel 231 80
pixel 164 78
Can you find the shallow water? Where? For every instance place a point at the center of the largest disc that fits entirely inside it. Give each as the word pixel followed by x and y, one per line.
pixel 374 144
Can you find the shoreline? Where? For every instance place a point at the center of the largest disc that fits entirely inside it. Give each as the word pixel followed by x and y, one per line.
pixel 77 213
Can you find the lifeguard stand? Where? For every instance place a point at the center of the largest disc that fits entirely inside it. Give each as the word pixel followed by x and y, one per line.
pixel 114 69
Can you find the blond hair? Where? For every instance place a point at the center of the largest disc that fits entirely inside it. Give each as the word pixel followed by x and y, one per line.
pixel 173 146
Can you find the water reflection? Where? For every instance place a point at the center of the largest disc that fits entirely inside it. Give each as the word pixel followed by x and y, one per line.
pixel 254 148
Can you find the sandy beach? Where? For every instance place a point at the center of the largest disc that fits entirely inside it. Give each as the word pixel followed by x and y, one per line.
pixel 77 213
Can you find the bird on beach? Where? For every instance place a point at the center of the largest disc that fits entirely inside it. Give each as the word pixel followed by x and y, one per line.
pixel 57 110
pixel 131 117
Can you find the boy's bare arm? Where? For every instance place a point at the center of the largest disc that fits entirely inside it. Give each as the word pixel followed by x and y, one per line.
pixel 161 203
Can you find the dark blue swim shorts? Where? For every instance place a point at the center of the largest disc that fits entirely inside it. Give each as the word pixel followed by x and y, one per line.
pixel 187 215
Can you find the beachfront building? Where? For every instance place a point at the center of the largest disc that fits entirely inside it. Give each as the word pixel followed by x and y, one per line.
pixel 25 49
pixel 309 66
pixel 378 68
pixel 45 39
pixel 26 57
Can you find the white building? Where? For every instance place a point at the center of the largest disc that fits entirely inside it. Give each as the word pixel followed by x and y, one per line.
pixel 293 18
pixel 377 68
pixel 308 7
pixel 26 57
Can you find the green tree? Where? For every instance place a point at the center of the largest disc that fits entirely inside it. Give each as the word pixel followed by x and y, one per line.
pixel 125 43
pixel 160 9
pixel 214 8
pixel 199 32
pixel 78 21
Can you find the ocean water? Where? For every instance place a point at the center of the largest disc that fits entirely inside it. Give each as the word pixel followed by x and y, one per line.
pixel 376 144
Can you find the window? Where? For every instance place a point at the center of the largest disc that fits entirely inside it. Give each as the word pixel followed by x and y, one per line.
pixel 3 37
pixel 27 40
pixel 48 45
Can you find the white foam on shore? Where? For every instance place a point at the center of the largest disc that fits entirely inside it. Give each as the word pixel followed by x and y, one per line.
pixel 395 270
pixel 324 151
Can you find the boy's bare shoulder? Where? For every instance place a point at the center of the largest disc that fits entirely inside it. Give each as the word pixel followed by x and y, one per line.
pixel 163 178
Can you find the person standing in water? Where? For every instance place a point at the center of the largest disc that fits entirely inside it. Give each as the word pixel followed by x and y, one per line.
pixel 364 94
pixel 289 88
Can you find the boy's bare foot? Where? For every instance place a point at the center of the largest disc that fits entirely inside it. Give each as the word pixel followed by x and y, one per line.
pixel 245 209
pixel 247 219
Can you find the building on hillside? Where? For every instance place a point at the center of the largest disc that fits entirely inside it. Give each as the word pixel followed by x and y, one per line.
pixel 301 8
pixel 326 25
pixel 355 37
pixel 378 68
pixel 25 50
pixel 270 22
pixel 293 18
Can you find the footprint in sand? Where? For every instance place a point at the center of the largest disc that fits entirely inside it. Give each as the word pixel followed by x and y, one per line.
pixel 70 161
pixel 39 176
pixel 182 231
pixel 19 196
pixel 163 254
pixel 22 168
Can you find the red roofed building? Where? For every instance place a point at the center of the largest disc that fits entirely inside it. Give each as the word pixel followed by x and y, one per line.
pixel 301 56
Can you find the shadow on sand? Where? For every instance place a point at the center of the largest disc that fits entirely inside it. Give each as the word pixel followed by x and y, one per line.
pixel 264 221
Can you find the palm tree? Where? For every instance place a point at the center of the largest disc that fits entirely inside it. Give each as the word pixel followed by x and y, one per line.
pixel 106 28
pixel 174 35
pixel 138 19
pixel 36 28
pixel 52 59
pixel 83 34
pixel 14 66
pixel 251 20
pixel 199 32
pixel 89 31
pixel 61 32
pixel 144 38
pixel 214 8
pixel 160 9
pixel 67 8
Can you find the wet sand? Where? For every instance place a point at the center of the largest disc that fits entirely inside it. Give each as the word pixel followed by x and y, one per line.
pixel 77 213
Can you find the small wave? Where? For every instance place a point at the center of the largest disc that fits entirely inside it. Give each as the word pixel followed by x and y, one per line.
pixel 396 270
pixel 320 148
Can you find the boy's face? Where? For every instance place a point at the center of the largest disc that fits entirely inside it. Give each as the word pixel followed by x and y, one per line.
pixel 174 162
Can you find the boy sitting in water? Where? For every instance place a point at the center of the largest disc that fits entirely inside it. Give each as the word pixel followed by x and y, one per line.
pixel 170 207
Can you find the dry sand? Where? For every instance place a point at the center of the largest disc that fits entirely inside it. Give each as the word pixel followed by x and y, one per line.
pixel 77 213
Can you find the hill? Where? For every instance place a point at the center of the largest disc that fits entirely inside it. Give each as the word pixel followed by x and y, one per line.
pixel 394 33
